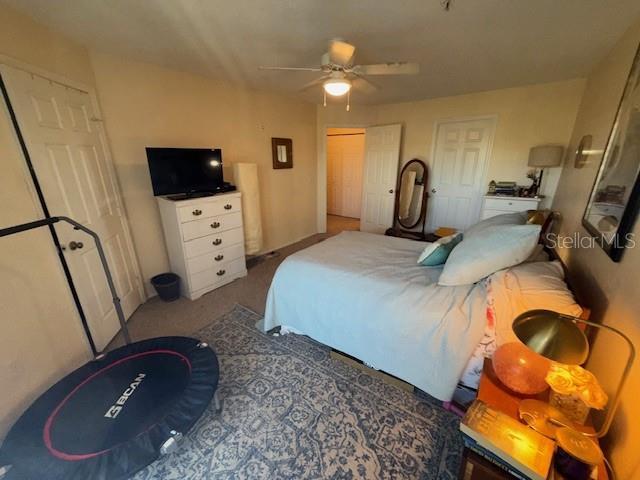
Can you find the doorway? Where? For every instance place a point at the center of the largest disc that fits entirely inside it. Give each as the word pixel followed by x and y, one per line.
pixel 345 160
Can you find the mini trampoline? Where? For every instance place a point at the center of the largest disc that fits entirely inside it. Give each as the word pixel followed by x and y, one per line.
pixel 116 414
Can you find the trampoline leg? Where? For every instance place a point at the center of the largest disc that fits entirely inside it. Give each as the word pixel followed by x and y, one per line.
pixel 216 401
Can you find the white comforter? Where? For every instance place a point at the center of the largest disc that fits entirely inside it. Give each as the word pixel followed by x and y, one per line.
pixel 364 295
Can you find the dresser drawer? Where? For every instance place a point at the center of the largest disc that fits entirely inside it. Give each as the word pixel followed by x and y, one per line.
pixel 209 209
pixel 509 205
pixel 207 226
pixel 211 243
pixel 215 258
pixel 492 213
pixel 216 275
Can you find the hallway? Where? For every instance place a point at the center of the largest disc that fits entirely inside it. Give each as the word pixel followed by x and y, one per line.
pixel 337 224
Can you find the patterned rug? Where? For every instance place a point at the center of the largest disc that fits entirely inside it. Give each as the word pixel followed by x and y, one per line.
pixel 292 412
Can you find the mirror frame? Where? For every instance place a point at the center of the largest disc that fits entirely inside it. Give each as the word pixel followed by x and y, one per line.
pixel 615 248
pixel 425 196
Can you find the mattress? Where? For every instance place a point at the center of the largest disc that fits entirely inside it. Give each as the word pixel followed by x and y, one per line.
pixel 365 295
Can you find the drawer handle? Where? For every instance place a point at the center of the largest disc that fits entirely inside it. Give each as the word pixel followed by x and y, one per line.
pixel 221 272
pixel 217 241
pixel 215 224
pixel 197 212
pixel 228 207
pixel 217 258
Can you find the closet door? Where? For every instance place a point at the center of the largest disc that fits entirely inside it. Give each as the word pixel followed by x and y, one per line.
pixel 68 151
pixel 462 151
pixel 334 175
pixel 345 158
pixel 352 164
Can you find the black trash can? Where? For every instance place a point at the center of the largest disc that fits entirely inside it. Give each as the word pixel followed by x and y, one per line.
pixel 167 285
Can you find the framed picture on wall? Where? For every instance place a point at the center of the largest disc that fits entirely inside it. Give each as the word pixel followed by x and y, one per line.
pixel 282 152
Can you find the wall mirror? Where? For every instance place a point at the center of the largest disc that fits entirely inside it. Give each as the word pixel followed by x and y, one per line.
pixel 410 209
pixel 615 198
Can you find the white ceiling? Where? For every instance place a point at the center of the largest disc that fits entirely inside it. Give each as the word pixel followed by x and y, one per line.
pixel 478 45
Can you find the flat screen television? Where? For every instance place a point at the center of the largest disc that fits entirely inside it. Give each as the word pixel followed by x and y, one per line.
pixel 186 171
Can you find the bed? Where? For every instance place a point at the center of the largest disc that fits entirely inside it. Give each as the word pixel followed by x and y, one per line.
pixel 364 295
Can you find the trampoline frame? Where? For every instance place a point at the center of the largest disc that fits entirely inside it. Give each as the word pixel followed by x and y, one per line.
pixel 103 260
pixel 172 441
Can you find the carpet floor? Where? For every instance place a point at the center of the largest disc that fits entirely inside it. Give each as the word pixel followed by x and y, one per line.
pixel 183 317
pixel 292 412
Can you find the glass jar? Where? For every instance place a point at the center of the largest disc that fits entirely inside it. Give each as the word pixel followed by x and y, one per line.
pixel 571 405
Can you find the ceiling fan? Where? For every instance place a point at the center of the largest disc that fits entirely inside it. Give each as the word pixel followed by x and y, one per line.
pixel 341 75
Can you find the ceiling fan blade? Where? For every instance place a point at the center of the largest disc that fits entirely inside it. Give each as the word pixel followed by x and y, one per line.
pixel 364 85
pixel 397 68
pixel 314 83
pixel 341 52
pixel 297 69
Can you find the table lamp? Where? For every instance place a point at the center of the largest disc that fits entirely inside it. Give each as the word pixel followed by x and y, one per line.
pixel 544 156
pixel 558 338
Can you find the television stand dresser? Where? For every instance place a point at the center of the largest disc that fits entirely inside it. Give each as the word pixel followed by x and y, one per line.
pixel 205 241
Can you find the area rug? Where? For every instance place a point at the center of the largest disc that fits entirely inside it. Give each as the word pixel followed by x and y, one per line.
pixel 292 412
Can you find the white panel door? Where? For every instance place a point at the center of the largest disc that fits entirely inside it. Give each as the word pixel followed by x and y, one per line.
pixel 382 154
pixel 345 158
pixel 68 152
pixel 461 153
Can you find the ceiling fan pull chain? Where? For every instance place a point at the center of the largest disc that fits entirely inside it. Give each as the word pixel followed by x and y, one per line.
pixel 324 104
pixel 348 100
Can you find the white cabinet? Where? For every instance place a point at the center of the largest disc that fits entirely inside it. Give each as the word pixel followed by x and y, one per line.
pixel 493 205
pixel 205 241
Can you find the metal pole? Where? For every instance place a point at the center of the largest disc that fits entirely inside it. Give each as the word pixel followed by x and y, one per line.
pixel 107 272
pixel 625 373
pixel 103 259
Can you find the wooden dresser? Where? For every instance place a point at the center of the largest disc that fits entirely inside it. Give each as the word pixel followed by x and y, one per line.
pixel 205 241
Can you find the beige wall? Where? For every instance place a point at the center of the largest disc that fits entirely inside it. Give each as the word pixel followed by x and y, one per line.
pixel 526 116
pixel 611 289
pixel 147 105
pixel 41 337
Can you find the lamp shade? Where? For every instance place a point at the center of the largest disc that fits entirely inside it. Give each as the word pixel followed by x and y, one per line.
pixel 553 336
pixel 544 156
pixel 337 86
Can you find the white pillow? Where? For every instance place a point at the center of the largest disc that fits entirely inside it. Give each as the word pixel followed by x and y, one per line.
pixel 488 251
pixel 541 285
pixel 517 218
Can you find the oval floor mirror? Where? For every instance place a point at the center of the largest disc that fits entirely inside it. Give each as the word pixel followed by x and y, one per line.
pixel 410 211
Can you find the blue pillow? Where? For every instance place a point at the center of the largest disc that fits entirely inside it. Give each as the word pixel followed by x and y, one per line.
pixel 436 253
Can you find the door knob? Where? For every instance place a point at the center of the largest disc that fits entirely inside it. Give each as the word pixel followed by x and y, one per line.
pixel 433 190
pixel 73 245
pixel 391 190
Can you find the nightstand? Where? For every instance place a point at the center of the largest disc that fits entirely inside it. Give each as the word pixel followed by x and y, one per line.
pixel 493 393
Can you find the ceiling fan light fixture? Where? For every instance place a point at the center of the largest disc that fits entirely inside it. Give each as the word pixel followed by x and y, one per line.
pixel 337 86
